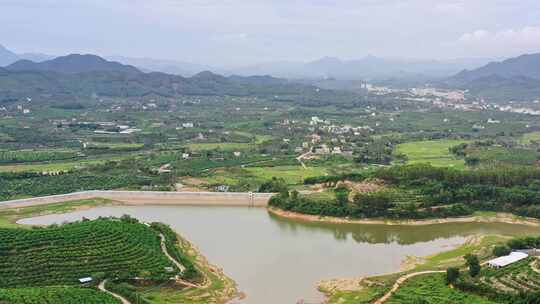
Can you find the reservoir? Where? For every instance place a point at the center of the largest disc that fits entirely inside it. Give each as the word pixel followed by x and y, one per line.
pixel 278 260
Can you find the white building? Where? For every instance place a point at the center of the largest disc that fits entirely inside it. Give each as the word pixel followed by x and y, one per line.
pixel 506 260
pixel 85 280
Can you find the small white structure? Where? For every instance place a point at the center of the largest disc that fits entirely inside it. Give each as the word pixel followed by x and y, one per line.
pixel 169 269
pixel 506 260
pixel 222 188
pixel 85 280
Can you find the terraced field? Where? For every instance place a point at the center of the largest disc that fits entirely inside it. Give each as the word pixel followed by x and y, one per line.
pixel 62 255
pixel 55 295
pixel 515 278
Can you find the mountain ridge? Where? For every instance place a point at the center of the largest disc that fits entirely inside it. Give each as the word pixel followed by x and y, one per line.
pixel 72 64
pixel 7 57
pixel 527 65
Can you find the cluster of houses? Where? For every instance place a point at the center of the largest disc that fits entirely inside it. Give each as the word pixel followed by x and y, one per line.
pixel 451 95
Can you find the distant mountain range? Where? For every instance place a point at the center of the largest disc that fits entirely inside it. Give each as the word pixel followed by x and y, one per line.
pixel 328 67
pixel 90 75
pixel 523 66
pixel 165 66
pixel 514 78
pixel 8 57
pixel 368 68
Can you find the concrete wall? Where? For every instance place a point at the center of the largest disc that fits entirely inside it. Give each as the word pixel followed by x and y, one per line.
pixel 152 197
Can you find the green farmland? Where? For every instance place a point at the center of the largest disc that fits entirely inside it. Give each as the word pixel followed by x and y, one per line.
pixel 219 146
pixel 64 295
pixel 117 247
pixel 527 138
pixel 432 289
pixel 434 152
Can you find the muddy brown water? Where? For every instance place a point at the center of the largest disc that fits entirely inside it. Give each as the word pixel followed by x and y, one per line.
pixel 277 260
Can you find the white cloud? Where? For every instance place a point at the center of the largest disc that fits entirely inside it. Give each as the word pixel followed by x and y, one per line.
pixel 504 42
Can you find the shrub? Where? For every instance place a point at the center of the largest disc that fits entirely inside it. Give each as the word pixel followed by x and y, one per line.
pixel 452 274
pixel 501 250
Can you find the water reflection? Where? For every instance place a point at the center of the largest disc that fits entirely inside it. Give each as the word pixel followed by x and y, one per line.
pixel 403 234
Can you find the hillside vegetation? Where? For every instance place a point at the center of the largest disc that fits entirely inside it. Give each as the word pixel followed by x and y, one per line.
pixel 61 255
pixel 423 191
pixel 55 295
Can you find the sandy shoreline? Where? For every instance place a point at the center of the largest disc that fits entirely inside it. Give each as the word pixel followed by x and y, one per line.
pixel 497 218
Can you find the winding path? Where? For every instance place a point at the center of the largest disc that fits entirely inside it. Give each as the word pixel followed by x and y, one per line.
pixel 178 264
pixel 164 249
pixel 182 268
pixel 402 280
pixel 101 287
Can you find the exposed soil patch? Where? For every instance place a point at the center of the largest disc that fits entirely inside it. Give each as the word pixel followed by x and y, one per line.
pixel 345 284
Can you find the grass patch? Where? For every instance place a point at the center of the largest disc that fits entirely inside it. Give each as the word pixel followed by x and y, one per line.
pixel 324 196
pixel 293 175
pixel 527 138
pixel 434 152
pixel 454 258
pixel 254 176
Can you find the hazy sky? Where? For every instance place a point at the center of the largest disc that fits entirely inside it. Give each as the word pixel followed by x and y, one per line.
pixel 236 32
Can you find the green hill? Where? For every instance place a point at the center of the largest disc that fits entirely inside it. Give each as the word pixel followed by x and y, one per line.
pixel 61 255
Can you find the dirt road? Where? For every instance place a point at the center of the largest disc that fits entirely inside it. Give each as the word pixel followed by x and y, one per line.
pixel 178 264
pixel 402 280
pixel 101 287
